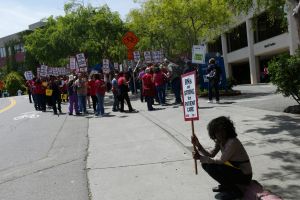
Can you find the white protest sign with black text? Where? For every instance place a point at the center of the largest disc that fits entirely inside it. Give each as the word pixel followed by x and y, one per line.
pixel 105 66
pixel 28 75
pixel 189 96
pixel 81 60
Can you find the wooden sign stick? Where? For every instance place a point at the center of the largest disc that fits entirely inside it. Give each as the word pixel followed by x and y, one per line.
pixel 195 150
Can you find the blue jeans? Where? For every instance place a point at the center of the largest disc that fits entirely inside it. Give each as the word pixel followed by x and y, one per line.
pixel 161 91
pixel 82 103
pixel 100 104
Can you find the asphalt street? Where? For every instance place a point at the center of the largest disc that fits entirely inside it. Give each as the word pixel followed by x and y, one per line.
pixel 43 156
pixel 143 155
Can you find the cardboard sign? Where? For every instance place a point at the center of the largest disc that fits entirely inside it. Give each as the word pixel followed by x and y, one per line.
pixel 38 72
pixel 198 54
pixel 130 40
pixel 105 66
pixel 28 75
pixel 189 96
pixel 81 60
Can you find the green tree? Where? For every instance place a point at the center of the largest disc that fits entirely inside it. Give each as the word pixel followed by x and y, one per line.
pixel 95 31
pixel 284 71
pixel 13 82
pixel 176 25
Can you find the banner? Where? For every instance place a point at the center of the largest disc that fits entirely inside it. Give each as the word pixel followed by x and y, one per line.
pixel 189 96
pixel 105 66
pixel 81 60
pixel 198 54
pixel 28 75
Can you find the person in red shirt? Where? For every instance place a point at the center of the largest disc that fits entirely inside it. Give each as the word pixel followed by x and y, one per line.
pixel 100 86
pixel 39 90
pixel 123 88
pixel 148 89
pixel 159 81
pixel 92 91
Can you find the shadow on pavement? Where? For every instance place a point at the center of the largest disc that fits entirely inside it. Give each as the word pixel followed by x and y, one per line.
pixel 288 171
pixel 283 123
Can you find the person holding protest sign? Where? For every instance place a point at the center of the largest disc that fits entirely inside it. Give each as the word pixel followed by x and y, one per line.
pixel 213 75
pixel 233 168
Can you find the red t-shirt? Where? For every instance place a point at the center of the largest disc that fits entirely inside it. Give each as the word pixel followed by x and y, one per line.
pixel 159 78
pixel 100 87
pixel 92 87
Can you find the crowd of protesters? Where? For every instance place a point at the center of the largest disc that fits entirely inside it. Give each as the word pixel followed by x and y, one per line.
pixel 83 89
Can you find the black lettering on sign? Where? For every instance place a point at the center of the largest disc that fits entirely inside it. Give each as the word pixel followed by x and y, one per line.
pixel 188 81
pixel 189 92
pixel 190 109
pixel 189 103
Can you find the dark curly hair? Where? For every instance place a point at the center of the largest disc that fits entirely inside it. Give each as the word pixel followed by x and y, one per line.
pixel 221 123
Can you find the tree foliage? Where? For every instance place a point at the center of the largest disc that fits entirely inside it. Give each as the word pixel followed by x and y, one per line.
pixel 176 25
pixel 284 71
pixel 96 31
pixel 13 82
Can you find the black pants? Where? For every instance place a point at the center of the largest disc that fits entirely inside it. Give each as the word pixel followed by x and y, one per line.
pixel 94 100
pixel 149 101
pixel 124 96
pixel 213 84
pixel 56 99
pixel 226 175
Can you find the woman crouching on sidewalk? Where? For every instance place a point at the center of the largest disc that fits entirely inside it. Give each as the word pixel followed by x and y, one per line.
pixel 233 168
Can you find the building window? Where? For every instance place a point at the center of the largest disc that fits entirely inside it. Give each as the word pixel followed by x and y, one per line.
pixel 2 52
pixel 237 38
pixel 267 27
pixel 215 46
pixel 19 48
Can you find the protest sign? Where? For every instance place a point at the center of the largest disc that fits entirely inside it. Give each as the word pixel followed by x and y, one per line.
pixel 189 96
pixel 44 71
pixel 190 102
pixel 116 66
pixel 147 56
pixel 81 60
pixel 105 66
pixel 28 75
pixel 72 63
pixel 198 54
pixel 137 56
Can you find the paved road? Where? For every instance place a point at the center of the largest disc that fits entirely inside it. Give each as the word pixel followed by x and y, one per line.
pixel 42 155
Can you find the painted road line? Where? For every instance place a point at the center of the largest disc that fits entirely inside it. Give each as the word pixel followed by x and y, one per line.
pixel 12 104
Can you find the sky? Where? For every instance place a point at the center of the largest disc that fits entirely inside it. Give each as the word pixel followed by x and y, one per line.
pixel 16 15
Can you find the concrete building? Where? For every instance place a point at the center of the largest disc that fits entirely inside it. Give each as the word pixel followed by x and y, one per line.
pixel 252 42
pixel 18 47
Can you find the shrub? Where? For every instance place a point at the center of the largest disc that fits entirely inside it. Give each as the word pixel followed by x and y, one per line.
pixel 230 82
pixel 13 82
pixel 284 72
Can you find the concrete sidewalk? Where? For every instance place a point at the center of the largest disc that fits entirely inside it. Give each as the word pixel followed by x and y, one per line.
pixel 147 155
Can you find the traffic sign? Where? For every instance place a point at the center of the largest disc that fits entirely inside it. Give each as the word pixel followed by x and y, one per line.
pixel 130 40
